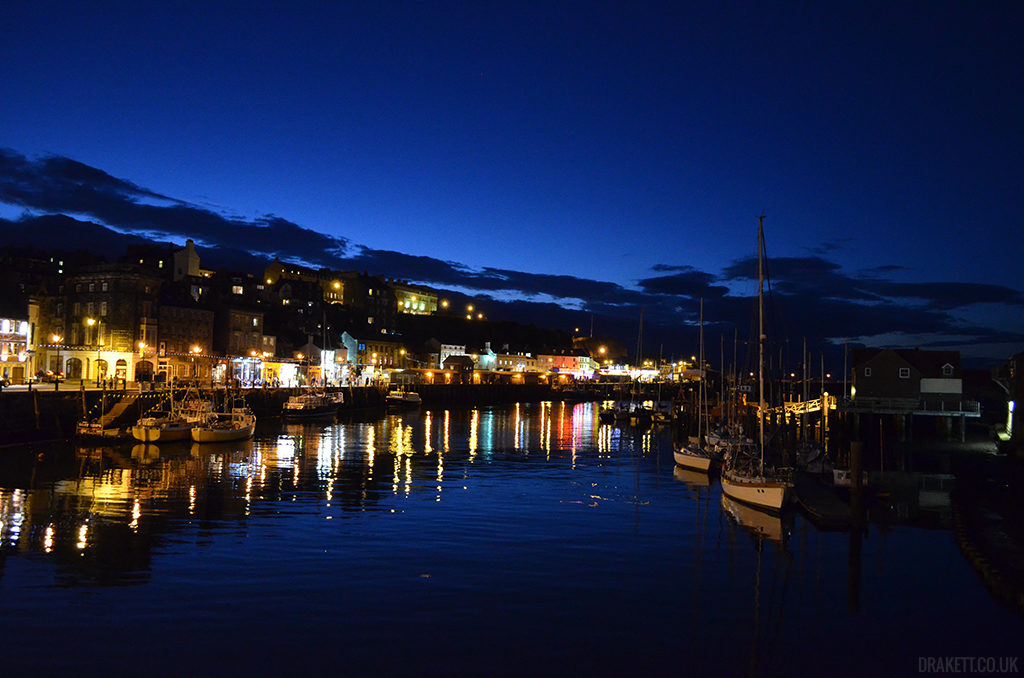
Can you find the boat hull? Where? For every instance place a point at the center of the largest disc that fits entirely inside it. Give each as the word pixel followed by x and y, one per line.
pixel 292 414
pixel 221 435
pixel 688 459
pixel 166 434
pixel 765 494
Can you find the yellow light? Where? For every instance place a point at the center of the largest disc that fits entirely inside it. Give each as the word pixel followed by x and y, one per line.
pixel 469 316
pixel 469 307
pixel 337 285
pixel 56 338
pixel 197 349
pixel 479 316
pixel 269 282
pixel 444 303
pixel 299 356
pixel 90 321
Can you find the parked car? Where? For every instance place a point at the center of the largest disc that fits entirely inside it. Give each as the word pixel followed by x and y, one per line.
pixel 49 376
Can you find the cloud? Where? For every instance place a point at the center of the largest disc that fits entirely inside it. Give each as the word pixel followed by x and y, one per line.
pixel 57 185
pixel 811 296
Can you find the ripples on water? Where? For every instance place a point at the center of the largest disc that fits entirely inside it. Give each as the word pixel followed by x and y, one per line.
pixel 527 539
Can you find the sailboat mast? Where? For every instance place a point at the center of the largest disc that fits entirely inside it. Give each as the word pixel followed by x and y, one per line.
pixel 702 406
pixel 761 338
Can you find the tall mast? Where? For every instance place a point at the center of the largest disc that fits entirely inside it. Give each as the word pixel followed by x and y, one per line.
pixel 702 406
pixel 761 338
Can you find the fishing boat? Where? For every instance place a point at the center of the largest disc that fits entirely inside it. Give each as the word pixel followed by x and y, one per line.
pixel 309 405
pixel 744 475
pixel 696 454
pixel 176 423
pixel 400 397
pixel 237 423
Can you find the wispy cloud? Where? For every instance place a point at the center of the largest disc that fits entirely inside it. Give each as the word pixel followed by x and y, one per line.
pixel 813 296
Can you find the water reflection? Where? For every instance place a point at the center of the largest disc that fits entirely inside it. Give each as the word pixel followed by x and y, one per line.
pixel 528 501
pixel 139 488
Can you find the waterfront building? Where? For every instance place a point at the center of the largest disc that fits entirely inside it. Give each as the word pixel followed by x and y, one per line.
pixel 185 338
pixel 516 362
pixel 100 323
pixel 370 357
pixel 15 359
pixel 904 383
pixel 485 359
pixel 575 362
pixel 460 367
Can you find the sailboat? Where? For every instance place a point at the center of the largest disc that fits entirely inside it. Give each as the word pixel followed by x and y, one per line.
pixel 695 454
pixel 744 477
pixel 177 424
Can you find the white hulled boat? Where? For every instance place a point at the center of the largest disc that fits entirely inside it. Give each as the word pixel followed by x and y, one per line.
pixel 402 398
pixel 236 424
pixel 695 454
pixel 307 405
pixel 175 424
pixel 744 476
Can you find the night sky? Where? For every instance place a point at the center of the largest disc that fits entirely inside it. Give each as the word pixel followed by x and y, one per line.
pixel 562 159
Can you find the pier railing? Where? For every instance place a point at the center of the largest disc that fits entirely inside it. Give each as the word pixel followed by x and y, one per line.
pixel 928 406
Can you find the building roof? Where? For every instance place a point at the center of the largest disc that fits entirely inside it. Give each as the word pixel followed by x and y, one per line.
pixel 928 363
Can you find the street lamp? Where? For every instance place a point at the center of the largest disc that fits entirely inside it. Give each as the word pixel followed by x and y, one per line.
pixel 91 322
pixel 195 350
pixel 57 339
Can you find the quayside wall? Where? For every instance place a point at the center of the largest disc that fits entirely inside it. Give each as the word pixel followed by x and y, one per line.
pixel 48 414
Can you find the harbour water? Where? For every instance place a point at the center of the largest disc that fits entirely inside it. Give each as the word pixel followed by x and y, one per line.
pixel 518 540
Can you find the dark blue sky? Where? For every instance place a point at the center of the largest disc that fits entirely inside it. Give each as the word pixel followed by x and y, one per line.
pixel 593 146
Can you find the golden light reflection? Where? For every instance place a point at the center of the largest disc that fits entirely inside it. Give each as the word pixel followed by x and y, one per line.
pixel 136 514
pixel 408 474
pixel 447 416
pixel 371 443
pixel 192 500
pixel 515 444
pixel 48 539
pixel 426 433
pixel 474 434
pixel 440 474
pixel 83 534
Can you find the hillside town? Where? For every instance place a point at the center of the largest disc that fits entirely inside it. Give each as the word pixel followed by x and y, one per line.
pixel 157 316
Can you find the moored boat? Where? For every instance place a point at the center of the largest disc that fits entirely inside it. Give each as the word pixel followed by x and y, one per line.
pixel 176 424
pixel 402 398
pixel 308 405
pixel 236 424
pixel 744 475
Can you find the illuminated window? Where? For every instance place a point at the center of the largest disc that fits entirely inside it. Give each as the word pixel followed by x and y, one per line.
pixel 236 289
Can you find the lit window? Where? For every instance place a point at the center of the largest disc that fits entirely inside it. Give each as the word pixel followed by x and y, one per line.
pixel 236 289
pixel 255 322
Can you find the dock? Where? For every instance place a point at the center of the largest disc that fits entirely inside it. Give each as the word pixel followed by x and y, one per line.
pixel 822 505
